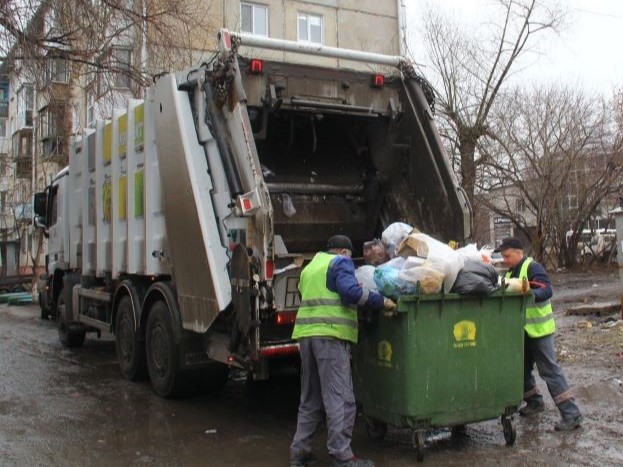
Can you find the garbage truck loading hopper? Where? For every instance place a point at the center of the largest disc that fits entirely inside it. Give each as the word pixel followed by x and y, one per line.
pixel 343 154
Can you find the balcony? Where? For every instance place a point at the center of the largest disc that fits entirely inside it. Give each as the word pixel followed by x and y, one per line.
pixel 53 93
pixel 22 146
pixel 54 149
pixel 5 145
pixel 23 167
pixel 7 221
pixel 15 213
pixel 23 211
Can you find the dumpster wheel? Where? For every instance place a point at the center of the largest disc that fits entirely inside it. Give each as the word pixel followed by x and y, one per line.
pixel 417 439
pixel 375 429
pixel 458 431
pixel 509 430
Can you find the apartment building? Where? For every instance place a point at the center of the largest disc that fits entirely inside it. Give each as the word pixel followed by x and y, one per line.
pixel 55 89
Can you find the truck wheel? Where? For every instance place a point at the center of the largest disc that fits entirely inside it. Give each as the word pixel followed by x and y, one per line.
pixel 162 352
pixel 130 351
pixel 70 335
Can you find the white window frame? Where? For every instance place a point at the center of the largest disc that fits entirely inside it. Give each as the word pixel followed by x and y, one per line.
pixel 121 78
pixel 520 204
pixel 307 37
pixel 4 102
pixel 57 70
pixel 25 106
pixel 90 116
pixel 254 7
pixel 571 201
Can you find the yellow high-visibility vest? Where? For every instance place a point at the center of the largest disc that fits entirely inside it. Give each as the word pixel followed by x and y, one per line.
pixel 540 317
pixel 322 313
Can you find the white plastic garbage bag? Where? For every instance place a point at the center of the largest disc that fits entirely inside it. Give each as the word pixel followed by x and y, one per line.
pixel 439 256
pixel 470 253
pixel 430 279
pixel 365 276
pixel 393 235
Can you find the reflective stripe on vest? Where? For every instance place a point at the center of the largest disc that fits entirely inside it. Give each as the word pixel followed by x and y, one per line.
pixel 322 313
pixel 539 318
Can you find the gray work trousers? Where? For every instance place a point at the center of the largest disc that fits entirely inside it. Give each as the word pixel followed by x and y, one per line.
pixel 540 351
pixel 326 386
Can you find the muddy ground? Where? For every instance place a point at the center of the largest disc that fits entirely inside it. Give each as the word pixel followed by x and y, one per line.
pixel 72 408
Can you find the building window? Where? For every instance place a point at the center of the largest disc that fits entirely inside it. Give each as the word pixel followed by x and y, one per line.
pixel 90 109
pixel 571 201
pixel 121 67
pixel 310 28
pixel 520 205
pixel 25 104
pixel 57 71
pixel 4 100
pixel 254 18
pixel 53 130
pixel 4 109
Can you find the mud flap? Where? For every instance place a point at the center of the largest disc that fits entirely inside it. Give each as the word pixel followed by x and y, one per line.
pixel 241 299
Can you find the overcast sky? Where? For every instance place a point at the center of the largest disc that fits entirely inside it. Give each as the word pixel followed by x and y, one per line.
pixel 589 52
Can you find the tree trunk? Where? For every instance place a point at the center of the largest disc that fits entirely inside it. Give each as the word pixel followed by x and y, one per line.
pixel 467 149
pixel 35 262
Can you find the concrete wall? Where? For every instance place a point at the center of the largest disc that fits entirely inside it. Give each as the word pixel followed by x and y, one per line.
pixel 366 25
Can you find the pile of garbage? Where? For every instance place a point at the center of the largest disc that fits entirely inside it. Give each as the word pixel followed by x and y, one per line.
pixel 405 261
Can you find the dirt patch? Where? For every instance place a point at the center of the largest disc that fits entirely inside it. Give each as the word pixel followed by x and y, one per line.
pixel 589 340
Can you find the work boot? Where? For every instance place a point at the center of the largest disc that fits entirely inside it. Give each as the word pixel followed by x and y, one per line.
pixel 352 462
pixel 532 408
pixel 569 424
pixel 302 460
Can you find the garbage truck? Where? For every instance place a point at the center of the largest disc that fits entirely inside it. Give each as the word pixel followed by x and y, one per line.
pixel 182 224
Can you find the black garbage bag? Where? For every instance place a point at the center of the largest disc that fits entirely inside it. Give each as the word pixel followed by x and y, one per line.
pixel 476 278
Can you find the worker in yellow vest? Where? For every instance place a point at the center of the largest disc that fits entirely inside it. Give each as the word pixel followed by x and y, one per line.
pixel 539 339
pixel 325 327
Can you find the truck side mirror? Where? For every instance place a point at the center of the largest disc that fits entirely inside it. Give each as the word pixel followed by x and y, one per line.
pixel 40 209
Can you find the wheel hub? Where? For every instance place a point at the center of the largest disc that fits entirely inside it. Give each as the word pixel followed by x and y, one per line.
pixel 159 344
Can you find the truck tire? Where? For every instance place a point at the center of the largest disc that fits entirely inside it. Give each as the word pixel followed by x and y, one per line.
pixel 70 334
pixel 162 352
pixel 130 351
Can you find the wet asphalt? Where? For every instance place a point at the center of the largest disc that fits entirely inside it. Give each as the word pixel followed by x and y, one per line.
pixel 72 408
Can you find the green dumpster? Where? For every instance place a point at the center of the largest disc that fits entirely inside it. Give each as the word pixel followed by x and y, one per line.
pixel 442 361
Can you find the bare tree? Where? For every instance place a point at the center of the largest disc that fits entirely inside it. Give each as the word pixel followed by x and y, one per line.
pixel 93 53
pixel 555 158
pixel 111 43
pixel 471 67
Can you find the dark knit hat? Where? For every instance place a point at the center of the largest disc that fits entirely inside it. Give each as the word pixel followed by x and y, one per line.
pixel 340 242
pixel 509 242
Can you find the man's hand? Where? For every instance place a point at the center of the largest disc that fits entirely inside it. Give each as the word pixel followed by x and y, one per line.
pixel 388 304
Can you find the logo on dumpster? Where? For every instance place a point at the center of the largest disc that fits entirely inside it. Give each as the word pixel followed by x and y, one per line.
pixel 464 334
pixel 384 354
